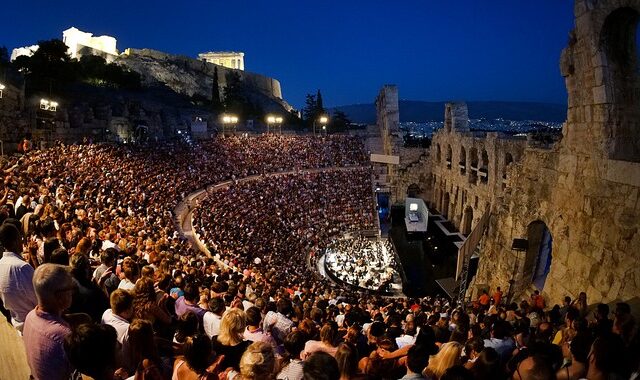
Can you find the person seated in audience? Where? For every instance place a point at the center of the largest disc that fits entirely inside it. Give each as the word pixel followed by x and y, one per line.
pixel 119 314
pixel 258 362
pixel 448 356
pixel 254 332
pixel 197 361
pixel 45 329
pixel 328 335
pixel 189 302
pixel 87 297
pixel 230 341
pixel 91 349
pixel 320 366
pixel 292 364
pixel 16 276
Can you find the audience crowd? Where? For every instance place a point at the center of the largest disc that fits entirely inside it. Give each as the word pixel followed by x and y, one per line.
pixel 100 284
pixel 363 262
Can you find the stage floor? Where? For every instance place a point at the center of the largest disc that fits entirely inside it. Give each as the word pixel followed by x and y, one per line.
pixel 424 257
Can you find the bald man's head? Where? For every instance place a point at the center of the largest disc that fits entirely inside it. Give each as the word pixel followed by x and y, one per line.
pixel 534 368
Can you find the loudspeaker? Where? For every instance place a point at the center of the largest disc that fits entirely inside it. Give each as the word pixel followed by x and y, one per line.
pixel 520 244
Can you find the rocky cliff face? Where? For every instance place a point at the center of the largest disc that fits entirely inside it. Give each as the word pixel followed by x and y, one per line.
pixel 192 77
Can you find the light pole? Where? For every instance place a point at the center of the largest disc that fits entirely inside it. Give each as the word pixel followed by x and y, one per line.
pixel 322 120
pixel 274 121
pixel 50 107
pixel 229 122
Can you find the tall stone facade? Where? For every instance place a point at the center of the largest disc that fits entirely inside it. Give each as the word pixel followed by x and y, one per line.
pixel 585 190
pixel 388 122
pixel 575 203
pixel 469 168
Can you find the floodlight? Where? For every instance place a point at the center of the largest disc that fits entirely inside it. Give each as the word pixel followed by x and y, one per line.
pixel 413 207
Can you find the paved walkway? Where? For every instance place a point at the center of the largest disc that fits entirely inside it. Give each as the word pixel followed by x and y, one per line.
pixel 13 357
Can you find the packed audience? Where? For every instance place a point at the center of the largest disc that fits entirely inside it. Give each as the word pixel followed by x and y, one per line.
pixel 274 224
pixel 363 262
pixel 101 285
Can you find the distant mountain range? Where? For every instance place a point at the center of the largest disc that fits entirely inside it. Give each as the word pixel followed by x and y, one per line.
pixel 420 111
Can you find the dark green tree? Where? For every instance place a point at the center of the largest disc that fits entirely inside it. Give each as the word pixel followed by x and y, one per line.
pixel 216 102
pixel 233 93
pixel 4 56
pixel 310 107
pixel 340 121
pixel 238 98
pixel 319 106
pixel 50 68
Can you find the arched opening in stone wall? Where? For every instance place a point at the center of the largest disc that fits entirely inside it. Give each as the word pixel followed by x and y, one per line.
pixel 484 169
pixel 467 220
pixel 463 161
pixel 413 190
pixel 473 173
pixel 508 160
pixel 445 205
pixel 539 254
pixel 449 155
pixel 438 153
pixel 619 82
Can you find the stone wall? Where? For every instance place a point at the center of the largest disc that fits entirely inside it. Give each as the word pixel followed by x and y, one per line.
pixel 388 122
pixel 470 169
pixel 583 192
pixel 586 189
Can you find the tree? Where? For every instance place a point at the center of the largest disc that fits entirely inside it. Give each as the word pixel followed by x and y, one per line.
pixel 310 107
pixel 4 56
pixel 238 97
pixel 319 106
pixel 216 102
pixel 233 95
pixel 340 121
pixel 50 67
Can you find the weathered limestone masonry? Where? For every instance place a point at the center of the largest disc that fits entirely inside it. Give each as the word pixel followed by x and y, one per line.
pixel 577 202
pixel 585 190
pixel 469 168
pixel 388 118
pixel 414 168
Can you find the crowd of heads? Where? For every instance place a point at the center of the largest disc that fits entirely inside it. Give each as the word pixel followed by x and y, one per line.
pixel 99 282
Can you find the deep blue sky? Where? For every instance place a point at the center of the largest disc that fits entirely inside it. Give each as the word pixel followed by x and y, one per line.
pixel 433 50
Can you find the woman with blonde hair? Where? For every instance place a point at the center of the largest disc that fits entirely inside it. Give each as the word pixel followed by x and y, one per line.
pixel 230 340
pixel 258 362
pixel 447 357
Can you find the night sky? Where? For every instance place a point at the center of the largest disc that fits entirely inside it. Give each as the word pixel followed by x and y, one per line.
pixel 433 50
